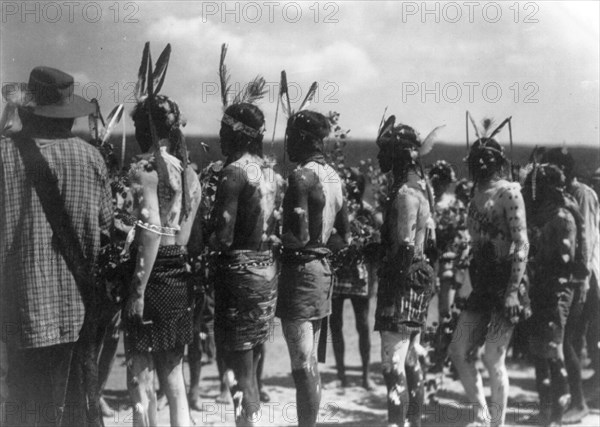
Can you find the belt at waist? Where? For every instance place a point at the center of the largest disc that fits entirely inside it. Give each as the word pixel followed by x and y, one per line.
pixel 304 255
pixel 242 258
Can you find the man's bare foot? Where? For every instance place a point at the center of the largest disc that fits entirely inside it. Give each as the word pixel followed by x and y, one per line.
pixel 161 401
pixel 105 408
pixel 238 395
pixel 194 399
pixel 368 384
pixel 575 414
pixel 264 396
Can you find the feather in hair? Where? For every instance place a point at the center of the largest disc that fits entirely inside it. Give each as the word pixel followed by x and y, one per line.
pixel 428 142
pixel 499 128
pixel 285 96
pixel 224 76
pixel 149 81
pixel 140 87
pixel 382 121
pixel 160 70
pixel 309 96
pixel 252 92
pixel 387 126
pixel 486 124
pixel 113 119
pixel 474 126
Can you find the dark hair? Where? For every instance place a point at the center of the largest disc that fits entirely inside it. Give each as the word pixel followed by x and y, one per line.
pixel 561 158
pixel 165 116
pixel 312 128
pixel 402 141
pixel 545 182
pixel 485 158
pixel 442 172
pixel 251 116
pixel 463 190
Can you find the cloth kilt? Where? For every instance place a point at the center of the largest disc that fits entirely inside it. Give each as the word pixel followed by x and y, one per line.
pixel 411 296
pixel 168 305
pixel 245 299
pixel 352 281
pixel 305 285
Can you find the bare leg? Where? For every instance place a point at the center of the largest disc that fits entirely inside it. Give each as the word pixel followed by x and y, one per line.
pixel 243 364
pixel 140 382
pixel 494 358
pixel 195 362
pixel 337 336
pixel 394 349
pixel 260 364
pixel 224 395
pixel 169 366
pixel 302 338
pixel 466 336
pixel 361 313
pixel 415 383
pixel 106 360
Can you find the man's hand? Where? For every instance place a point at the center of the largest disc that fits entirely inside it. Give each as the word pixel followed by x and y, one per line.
pixel 388 311
pixel 134 310
pixel 512 306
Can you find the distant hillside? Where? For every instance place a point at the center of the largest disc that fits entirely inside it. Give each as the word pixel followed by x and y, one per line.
pixel 587 158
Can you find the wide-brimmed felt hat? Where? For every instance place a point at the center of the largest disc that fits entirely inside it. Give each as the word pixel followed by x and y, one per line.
pixel 49 93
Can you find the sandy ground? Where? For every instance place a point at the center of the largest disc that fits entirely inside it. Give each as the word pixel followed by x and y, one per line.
pixel 351 406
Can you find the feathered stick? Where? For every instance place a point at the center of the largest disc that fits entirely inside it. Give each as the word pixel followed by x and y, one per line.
pixel 275 125
pixel 382 121
pixel 309 96
pixel 467 128
pixel 224 76
pixel 123 144
pixel 160 71
pixel 512 176
pixel 389 124
pixel 96 122
pixel 284 94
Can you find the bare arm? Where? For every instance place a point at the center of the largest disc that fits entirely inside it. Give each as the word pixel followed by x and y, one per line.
pixel 295 210
pixel 145 199
pixel 514 211
pixel 226 206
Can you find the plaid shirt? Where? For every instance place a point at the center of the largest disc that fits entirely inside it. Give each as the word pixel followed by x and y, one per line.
pixel 39 300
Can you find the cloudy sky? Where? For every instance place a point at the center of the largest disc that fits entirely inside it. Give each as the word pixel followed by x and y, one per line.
pixel 427 62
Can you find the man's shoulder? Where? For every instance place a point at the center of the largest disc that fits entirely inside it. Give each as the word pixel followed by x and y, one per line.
pixel 563 219
pixel 583 193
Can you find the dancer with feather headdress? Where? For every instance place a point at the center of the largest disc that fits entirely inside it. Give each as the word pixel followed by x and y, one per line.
pixel 313 206
pixel 498 230
pixel 244 225
pixel 406 279
pixel 166 193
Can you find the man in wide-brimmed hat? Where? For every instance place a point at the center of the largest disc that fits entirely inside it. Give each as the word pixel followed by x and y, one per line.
pixel 55 203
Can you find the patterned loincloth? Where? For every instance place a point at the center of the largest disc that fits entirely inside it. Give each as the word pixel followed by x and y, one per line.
pixel 245 299
pixel 411 298
pixel 168 301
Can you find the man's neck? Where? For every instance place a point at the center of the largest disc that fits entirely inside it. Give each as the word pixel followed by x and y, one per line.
pixel 313 157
